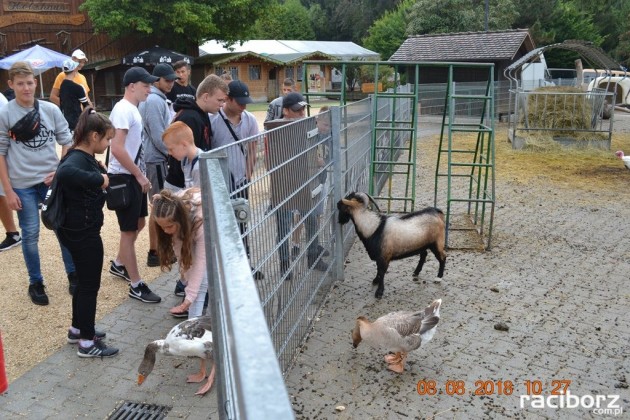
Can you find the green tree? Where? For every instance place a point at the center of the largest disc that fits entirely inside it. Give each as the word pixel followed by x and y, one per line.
pixel 284 20
pixel 444 16
pixel 387 33
pixel 175 23
pixel 348 20
pixel 569 22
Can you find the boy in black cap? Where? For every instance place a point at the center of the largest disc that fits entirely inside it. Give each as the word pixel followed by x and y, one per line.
pixel 128 161
pixel 293 183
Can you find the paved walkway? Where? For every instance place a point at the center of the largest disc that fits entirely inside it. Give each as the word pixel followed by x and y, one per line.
pixel 65 386
pixel 557 276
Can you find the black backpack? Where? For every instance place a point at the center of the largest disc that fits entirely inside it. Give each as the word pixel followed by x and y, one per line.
pixel 53 210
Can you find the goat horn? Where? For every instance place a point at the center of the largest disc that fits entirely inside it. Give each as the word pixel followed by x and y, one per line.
pixel 373 202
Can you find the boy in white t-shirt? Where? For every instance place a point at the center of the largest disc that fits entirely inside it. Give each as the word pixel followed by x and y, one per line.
pixel 180 143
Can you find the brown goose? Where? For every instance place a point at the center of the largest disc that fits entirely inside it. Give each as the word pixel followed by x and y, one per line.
pixel 190 338
pixel 398 333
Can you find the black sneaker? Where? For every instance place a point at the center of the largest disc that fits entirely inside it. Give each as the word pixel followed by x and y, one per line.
pixel 295 251
pixel 152 259
pixel 319 265
pixel 74 338
pixel 144 294
pixel 322 251
pixel 284 267
pixel 38 294
pixel 98 349
pixel 180 289
pixel 12 240
pixel 119 271
pixel 257 275
pixel 73 282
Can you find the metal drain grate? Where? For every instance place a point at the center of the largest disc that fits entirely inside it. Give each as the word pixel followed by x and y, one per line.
pixel 139 411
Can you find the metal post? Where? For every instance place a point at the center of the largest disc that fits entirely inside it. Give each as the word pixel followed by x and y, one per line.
pixel 335 116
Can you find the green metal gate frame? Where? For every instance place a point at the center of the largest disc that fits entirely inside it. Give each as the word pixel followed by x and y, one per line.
pixel 481 177
pixel 481 190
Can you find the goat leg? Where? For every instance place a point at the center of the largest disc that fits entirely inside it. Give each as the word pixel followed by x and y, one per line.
pixel 380 276
pixel 423 259
pixel 440 255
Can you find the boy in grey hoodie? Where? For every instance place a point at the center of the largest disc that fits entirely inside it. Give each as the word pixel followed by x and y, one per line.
pixel 156 116
pixel 27 168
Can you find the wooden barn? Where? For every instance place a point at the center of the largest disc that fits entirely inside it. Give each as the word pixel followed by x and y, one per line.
pixel 499 47
pixel 60 26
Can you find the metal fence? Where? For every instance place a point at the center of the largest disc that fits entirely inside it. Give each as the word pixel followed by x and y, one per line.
pixel 283 185
pixel 433 98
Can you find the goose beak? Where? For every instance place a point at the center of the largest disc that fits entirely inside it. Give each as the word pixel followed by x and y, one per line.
pixel 141 379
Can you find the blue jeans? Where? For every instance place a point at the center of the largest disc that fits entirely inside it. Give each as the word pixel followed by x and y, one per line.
pixel 29 224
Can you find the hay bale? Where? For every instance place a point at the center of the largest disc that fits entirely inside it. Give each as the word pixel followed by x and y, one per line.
pixel 561 108
pixel 558 112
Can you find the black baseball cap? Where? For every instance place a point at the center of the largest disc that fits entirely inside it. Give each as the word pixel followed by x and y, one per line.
pixel 165 71
pixel 294 101
pixel 138 74
pixel 240 92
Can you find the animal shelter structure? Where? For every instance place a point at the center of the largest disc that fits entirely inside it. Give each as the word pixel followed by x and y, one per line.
pixel 286 226
pixel 566 115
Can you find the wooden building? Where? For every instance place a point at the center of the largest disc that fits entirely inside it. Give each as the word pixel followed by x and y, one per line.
pixel 264 64
pixel 59 25
pixel 499 47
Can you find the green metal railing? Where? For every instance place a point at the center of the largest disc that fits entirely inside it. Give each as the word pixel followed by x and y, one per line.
pixel 479 169
pixel 394 140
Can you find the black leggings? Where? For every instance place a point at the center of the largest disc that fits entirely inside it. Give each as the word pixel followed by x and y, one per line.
pixel 86 248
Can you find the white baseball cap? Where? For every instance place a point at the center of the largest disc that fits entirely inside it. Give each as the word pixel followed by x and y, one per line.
pixel 79 55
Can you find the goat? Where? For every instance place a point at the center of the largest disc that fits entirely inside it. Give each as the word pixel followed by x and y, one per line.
pixel 393 237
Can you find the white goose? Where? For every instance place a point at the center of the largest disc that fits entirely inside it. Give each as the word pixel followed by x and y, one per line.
pixel 398 332
pixel 625 159
pixel 190 338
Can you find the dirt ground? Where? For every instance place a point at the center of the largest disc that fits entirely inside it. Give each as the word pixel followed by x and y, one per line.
pixel 30 333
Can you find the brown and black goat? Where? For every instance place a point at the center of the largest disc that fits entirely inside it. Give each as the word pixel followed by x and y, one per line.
pixel 393 237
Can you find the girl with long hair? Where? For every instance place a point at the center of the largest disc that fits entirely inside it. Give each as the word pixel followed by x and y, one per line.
pixel 83 181
pixel 180 234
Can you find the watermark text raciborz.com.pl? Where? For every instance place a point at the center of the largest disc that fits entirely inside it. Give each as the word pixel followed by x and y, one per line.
pixel 597 404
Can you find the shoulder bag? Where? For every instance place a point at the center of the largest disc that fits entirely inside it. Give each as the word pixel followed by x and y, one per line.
pixel 119 190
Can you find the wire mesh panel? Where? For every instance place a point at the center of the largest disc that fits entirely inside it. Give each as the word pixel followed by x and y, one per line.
pixel 283 178
pixel 551 114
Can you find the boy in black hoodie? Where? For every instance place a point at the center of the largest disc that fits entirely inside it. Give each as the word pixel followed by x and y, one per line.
pixel 211 95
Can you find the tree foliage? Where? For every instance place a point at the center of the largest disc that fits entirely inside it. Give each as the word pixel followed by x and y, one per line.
pixel 287 20
pixel 444 16
pixel 348 20
pixel 175 23
pixel 569 22
pixel 388 32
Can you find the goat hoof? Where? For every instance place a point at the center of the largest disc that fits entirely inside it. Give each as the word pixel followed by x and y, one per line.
pixel 437 280
pixel 415 277
pixel 378 295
